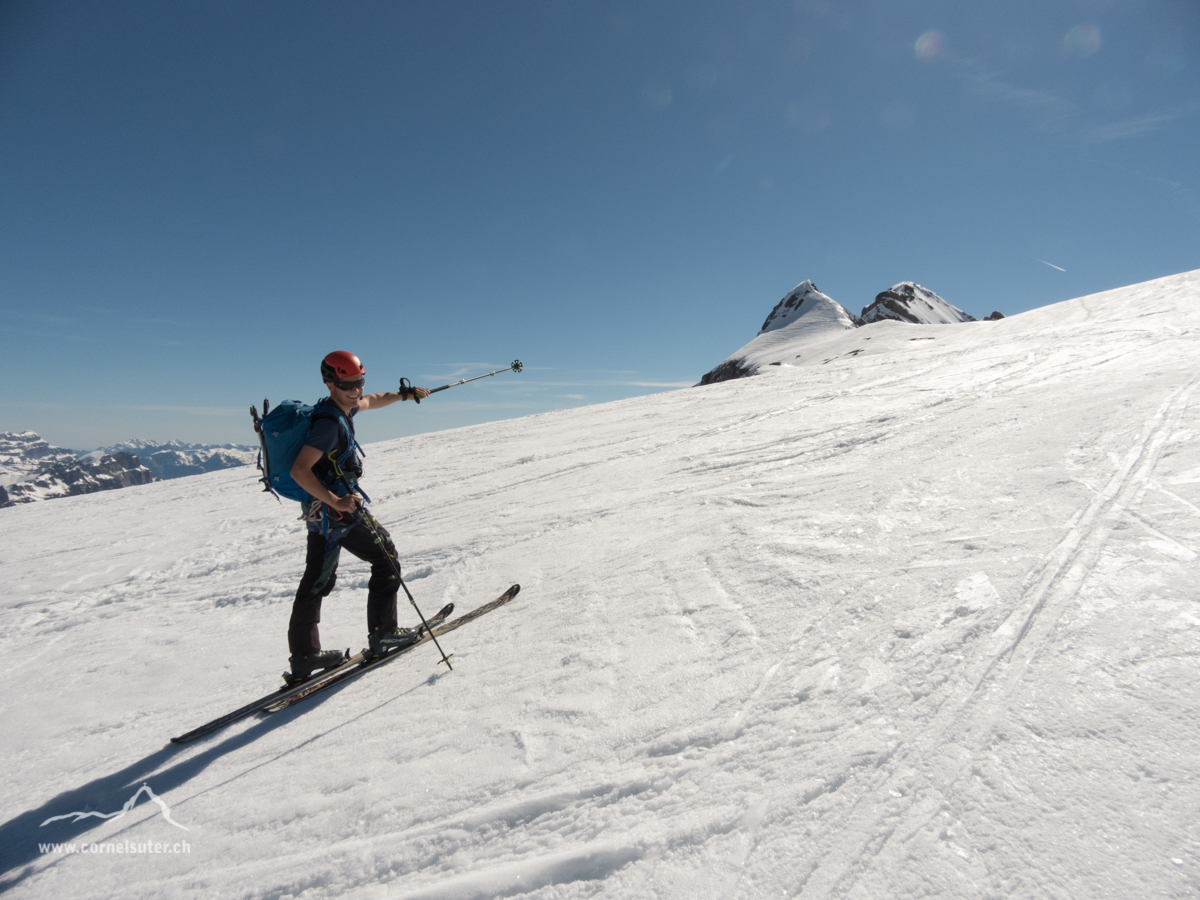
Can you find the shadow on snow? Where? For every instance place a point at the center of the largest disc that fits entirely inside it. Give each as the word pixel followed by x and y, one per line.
pixel 20 837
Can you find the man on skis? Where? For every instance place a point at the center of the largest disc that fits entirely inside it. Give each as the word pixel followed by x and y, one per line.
pixel 327 467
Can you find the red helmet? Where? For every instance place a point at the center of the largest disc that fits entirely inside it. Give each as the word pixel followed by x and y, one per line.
pixel 341 365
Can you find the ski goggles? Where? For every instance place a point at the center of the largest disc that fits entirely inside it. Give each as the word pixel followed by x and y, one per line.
pixel 349 385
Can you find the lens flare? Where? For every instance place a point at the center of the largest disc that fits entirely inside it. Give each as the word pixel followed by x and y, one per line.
pixel 930 46
pixel 1082 41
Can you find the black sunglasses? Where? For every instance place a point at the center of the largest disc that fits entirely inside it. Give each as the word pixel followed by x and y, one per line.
pixel 349 385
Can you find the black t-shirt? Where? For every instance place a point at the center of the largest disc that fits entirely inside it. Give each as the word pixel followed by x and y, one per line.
pixel 325 434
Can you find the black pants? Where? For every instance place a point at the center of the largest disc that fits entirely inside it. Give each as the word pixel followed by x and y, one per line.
pixel 320 574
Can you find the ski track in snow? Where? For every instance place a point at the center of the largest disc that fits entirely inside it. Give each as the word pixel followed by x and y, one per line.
pixel 911 617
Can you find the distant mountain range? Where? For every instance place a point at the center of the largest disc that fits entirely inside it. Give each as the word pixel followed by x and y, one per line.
pixel 176 460
pixel 31 469
pixel 804 316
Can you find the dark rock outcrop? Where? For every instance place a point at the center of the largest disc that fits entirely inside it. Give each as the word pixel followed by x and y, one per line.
pixel 726 371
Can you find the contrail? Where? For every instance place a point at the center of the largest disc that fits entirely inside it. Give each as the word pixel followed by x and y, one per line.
pixel 1051 265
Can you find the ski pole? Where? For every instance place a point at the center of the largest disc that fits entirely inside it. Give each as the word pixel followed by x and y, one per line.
pixel 515 366
pixel 369 521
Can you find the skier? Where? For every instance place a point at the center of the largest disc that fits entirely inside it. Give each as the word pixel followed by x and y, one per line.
pixel 327 467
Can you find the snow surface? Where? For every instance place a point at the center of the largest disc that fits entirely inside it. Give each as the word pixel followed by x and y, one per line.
pixel 916 617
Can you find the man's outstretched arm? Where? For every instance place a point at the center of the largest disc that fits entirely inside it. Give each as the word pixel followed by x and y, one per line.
pixel 378 401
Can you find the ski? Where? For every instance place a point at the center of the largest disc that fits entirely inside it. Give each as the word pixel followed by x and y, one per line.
pixel 288 691
pixel 361 662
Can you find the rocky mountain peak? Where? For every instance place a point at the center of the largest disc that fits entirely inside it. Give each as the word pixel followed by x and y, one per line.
pixel 909 302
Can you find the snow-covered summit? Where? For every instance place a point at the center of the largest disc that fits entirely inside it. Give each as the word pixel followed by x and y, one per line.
pixel 909 302
pixel 805 299
pixel 804 314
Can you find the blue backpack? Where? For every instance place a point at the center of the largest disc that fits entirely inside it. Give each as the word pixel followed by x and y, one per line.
pixel 282 431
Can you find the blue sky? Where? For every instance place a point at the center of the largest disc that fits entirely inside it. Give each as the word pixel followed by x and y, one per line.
pixel 198 201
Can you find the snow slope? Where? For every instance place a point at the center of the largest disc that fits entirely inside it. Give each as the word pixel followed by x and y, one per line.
pixel 917 616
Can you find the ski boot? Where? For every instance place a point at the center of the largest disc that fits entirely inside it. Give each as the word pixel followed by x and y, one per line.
pixel 304 666
pixel 384 642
